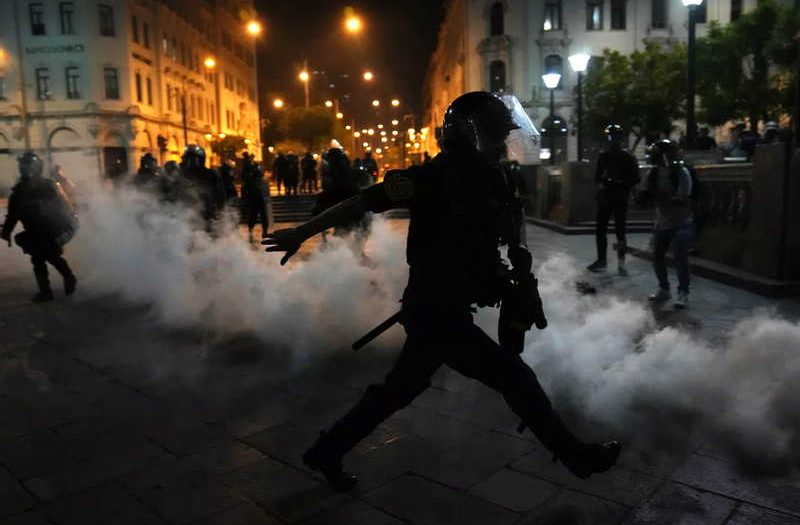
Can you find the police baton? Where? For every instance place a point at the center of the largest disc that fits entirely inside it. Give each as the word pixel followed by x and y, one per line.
pixel 378 330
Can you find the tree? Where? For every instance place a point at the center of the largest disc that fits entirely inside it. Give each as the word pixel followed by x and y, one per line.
pixel 745 69
pixel 228 147
pixel 642 92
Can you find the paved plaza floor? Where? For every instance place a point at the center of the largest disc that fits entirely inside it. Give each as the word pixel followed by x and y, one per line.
pixel 108 416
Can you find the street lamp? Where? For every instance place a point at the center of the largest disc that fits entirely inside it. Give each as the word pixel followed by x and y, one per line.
pixel 368 76
pixel 329 103
pixel 305 78
pixel 691 126
pixel 254 27
pixel 278 103
pixel 395 102
pixel 551 81
pixel 210 63
pixel 352 22
pixel 376 103
pixel 579 62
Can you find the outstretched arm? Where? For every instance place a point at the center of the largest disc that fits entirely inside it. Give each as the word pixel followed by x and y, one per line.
pixel 290 239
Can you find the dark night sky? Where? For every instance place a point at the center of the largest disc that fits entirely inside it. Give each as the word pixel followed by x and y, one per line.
pixel 396 44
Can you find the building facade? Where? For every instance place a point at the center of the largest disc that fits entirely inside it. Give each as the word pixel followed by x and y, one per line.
pixel 507 45
pixel 91 85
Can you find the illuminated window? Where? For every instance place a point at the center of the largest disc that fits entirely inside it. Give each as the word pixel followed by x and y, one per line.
pixel 552 15
pixel 594 15
pixel 43 83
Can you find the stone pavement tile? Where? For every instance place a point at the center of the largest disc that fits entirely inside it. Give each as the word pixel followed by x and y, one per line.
pixel 478 405
pixel 658 463
pixel 618 484
pixel 97 470
pixel 424 502
pixel 48 451
pixel 354 513
pixel 102 505
pixel 32 517
pixel 283 491
pixel 222 458
pixel 675 504
pixel 13 497
pixel 181 435
pixel 180 494
pixel 711 474
pixel 750 515
pixel 574 508
pixel 247 513
pixel 514 490
pixel 285 442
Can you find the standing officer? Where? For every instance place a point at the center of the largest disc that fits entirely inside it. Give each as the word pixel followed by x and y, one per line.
pixel 617 173
pixel 462 209
pixel 255 194
pixel 201 187
pixel 49 221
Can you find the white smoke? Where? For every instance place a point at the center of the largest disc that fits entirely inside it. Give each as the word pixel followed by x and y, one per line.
pixel 602 357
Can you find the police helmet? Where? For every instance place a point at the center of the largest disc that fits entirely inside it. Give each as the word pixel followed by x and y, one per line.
pixel 148 161
pixel 30 165
pixel 476 117
pixel 663 153
pixel 615 133
pixel 193 155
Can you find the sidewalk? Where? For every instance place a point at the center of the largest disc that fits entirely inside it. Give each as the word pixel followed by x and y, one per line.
pixel 108 418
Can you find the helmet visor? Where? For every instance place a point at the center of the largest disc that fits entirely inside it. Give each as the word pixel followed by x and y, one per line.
pixel 522 143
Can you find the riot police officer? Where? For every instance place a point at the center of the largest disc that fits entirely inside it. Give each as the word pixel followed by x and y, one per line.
pixel 255 193
pixel 201 187
pixel 462 209
pixel 617 173
pixel 147 175
pixel 49 221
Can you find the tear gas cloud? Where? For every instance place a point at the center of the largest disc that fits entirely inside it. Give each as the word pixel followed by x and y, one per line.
pixel 603 357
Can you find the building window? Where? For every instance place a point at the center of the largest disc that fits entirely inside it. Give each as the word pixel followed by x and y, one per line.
pixel 618 14
pixel 701 14
pixel 65 12
pixel 135 28
pixel 736 10
pixel 165 44
pixel 554 64
pixel 659 14
pixel 149 85
pixel 497 76
pixel 169 97
pixel 552 15
pixel 36 12
pixel 72 82
pixel 105 15
pixel 174 49
pixel 496 19
pixel 138 83
pixel 146 35
pixel 3 95
pixel 112 82
pixel 43 83
pixel 594 15
pixel 213 114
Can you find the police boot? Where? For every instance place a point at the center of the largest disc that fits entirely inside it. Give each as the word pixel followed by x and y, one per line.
pixel 582 459
pixel 324 457
pixel 70 282
pixel 45 293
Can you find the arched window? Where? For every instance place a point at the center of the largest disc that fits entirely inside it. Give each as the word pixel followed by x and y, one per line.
pixel 497 76
pixel 554 64
pixel 497 19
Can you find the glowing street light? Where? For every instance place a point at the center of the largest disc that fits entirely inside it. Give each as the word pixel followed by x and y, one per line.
pixel 376 103
pixel 303 76
pixel 352 22
pixel 340 115
pixel 380 126
pixel 368 76
pixel 365 144
pixel 210 63
pixel 278 103
pixel 329 103
pixel 370 131
pixel 551 82
pixel 348 127
pixel 254 27
pixel 395 122
pixel 395 102
pixel 356 134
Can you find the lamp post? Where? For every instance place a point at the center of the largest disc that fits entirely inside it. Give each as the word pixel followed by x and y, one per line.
pixel 551 81
pixel 691 125
pixel 305 78
pixel 579 62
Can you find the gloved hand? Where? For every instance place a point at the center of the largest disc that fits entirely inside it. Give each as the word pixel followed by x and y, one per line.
pixel 533 308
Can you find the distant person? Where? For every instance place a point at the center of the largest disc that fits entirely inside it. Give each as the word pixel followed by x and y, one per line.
pixel 228 180
pixel 49 221
pixel 147 175
pixel 748 139
pixel 426 157
pixel 255 194
pixel 616 174
pixel 669 186
pixel 279 170
pixel 370 166
pixel 309 167
pixel 705 141
pixel 770 133
pixel 170 181
pixel 341 184
pixel 292 176
pixel 201 187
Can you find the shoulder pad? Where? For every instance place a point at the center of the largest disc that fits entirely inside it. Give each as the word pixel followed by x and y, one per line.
pixel 398 186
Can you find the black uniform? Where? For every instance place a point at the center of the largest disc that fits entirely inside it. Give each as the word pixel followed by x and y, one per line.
pixel 618 172
pixel 202 189
pixel 48 223
pixel 255 194
pixel 462 209
pixel 309 168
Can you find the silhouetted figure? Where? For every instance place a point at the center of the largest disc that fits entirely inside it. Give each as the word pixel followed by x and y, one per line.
pixel 49 222
pixel 770 133
pixel 705 141
pixel 201 187
pixel 462 209
pixel 169 184
pixel 617 173
pixel 228 180
pixel 147 175
pixel 426 157
pixel 370 166
pixel 341 183
pixel 292 176
pixel 279 171
pixel 255 193
pixel 309 167
pixel 669 186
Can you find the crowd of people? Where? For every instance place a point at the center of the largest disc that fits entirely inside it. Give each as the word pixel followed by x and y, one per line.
pixel 293 175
